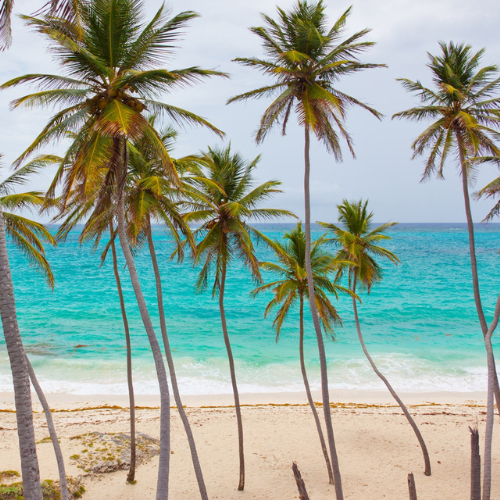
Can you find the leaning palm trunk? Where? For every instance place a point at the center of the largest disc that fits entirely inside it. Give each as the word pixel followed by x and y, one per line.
pixel 489 411
pixel 241 484
pixel 131 396
pixel 52 431
pixel 164 462
pixel 309 396
pixel 414 426
pixel 173 376
pixel 20 376
pixel 473 261
pixel 321 347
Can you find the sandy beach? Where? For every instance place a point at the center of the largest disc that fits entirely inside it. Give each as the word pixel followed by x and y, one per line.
pixel 376 446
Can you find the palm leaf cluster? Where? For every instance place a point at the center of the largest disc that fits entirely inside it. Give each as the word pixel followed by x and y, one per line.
pixel 29 236
pixel 292 282
pixel 227 200
pixel 358 243
pixel 464 107
pixel 113 73
pixel 306 59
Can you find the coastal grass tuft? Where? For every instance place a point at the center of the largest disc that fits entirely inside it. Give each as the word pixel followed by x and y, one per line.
pixel 50 489
pixel 109 452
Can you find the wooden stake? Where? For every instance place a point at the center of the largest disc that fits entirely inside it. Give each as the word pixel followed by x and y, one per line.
pixel 412 487
pixel 300 483
pixel 475 465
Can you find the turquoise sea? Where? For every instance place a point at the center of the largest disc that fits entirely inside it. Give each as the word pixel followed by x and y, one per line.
pixel 420 323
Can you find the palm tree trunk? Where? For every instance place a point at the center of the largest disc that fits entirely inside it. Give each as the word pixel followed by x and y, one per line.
pixel 52 431
pixel 309 396
pixel 20 376
pixel 171 367
pixel 473 261
pixel 241 484
pixel 319 336
pixel 414 426
pixel 164 462
pixel 489 411
pixel 131 396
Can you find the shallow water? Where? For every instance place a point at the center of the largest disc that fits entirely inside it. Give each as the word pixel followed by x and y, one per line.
pixel 419 323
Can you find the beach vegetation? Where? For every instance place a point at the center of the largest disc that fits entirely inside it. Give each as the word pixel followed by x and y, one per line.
pixel 358 246
pixel 291 286
pixel 306 58
pixel 50 490
pixel 227 200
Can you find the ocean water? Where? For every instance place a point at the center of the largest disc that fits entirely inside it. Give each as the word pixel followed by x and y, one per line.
pixel 419 323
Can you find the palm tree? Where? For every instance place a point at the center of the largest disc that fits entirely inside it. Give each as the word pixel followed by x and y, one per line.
pixel 110 55
pixel 306 59
pixel 151 197
pixel 359 245
pixel 28 236
pixel 465 109
pixel 226 200
pixel 292 285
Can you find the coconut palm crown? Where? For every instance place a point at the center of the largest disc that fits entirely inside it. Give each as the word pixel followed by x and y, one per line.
pixel 463 106
pixel 306 59
pixel 358 243
pixel 113 73
pixel 292 282
pixel 228 199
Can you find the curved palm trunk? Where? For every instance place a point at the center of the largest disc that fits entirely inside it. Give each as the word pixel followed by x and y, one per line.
pixel 52 431
pixel 473 261
pixel 241 484
pixel 489 412
pixel 414 426
pixel 131 396
pixel 171 367
pixel 20 375
pixel 319 336
pixel 309 396
pixel 164 463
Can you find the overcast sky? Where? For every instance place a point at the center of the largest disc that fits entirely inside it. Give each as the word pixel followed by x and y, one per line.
pixel 404 31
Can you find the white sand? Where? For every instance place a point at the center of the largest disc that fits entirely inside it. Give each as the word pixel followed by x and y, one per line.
pixel 376 446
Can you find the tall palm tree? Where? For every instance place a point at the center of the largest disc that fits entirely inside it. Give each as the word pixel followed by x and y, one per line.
pixel 292 285
pixel 152 197
pixel 306 59
pixel 29 237
pixel 111 55
pixel 465 114
pixel 358 245
pixel 227 199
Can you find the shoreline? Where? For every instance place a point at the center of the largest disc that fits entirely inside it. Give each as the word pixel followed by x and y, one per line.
pixel 353 398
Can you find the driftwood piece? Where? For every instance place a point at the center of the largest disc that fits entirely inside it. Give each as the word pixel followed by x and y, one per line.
pixel 475 465
pixel 300 483
pixel 411 486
